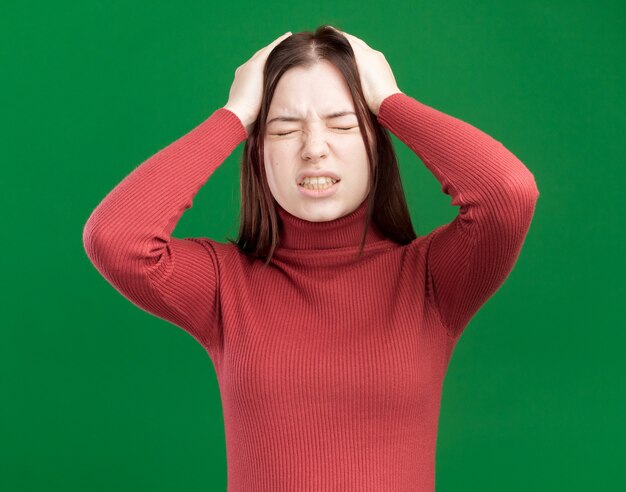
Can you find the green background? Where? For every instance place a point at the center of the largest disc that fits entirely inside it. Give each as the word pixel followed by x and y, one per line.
pixel 99 395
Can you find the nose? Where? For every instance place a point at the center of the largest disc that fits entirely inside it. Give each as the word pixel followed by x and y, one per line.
pixel 314 146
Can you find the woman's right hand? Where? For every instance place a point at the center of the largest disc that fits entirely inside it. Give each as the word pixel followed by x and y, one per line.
pixel 246 91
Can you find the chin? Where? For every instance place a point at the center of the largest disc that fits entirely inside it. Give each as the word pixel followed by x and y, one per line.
pixel 323 214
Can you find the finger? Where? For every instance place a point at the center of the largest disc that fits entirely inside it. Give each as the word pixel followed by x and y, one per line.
pixel 270 47
pixel 355 42
pixel 279 39
pixel 359 41
pixel 351 39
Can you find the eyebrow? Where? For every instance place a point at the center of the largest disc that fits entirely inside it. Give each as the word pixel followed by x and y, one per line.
pixel 336 114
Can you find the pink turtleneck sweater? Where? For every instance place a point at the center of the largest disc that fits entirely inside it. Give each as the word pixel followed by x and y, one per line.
pixel 330 369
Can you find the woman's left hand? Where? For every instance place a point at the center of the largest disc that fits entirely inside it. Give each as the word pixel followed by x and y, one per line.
pixel 377 79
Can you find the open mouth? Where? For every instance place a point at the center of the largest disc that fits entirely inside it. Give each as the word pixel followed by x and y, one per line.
pixel 319 187
pixel 319 190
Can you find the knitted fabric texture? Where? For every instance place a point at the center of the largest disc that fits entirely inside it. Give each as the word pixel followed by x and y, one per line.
pixel 330 368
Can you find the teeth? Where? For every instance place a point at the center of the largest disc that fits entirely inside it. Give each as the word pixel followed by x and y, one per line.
pixel 320 180
pixel 316 186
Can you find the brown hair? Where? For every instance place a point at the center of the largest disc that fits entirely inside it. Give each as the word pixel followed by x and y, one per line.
pixel 386 203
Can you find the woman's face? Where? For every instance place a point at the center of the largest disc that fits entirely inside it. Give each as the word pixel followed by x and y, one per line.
pixel 315 140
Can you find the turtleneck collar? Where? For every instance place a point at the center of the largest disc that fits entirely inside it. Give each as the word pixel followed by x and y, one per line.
pixel 346 231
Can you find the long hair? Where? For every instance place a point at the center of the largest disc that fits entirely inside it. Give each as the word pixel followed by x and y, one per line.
pixel 386 204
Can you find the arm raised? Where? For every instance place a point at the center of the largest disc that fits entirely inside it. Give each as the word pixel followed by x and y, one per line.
pixel 469 258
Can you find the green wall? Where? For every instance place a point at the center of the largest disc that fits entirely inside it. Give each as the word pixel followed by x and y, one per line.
pixel 98 395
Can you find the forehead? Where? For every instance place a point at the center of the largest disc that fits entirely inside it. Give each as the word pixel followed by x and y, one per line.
pixel 320 88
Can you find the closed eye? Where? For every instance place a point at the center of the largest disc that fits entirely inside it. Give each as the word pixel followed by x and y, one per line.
pixel 336 128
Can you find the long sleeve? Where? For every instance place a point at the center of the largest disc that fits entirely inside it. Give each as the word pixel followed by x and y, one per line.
pixel 128 236
pixel 469 258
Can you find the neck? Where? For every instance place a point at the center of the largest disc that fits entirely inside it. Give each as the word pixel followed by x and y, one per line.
pixel 342 232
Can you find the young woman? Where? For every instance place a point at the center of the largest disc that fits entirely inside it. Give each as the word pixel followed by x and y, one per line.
pixel 330 324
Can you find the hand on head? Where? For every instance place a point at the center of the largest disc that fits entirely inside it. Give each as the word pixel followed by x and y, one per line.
pixel 377 79
pixel 246 91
